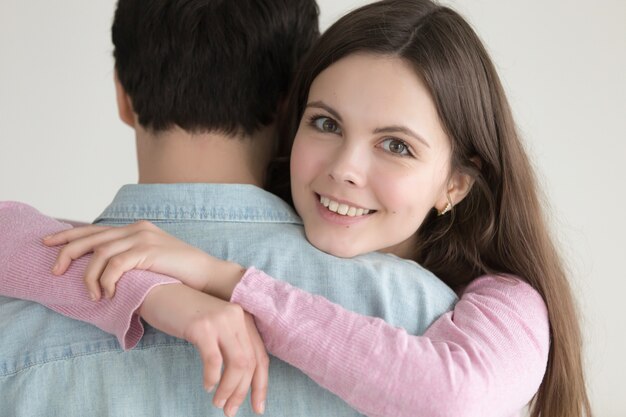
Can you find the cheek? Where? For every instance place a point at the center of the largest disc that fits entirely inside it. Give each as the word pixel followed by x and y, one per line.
pixel 409 197
pixel 299 164
pixel 305 168
pixel 307 160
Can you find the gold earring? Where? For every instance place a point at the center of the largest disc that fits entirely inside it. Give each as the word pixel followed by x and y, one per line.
pixel 445 210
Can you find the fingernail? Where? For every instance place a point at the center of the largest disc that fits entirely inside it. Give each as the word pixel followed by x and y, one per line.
pixel 55 267
pixel 92 296
pixel 220 403
pixel 262 407
pixel 232 411
pixel 47 237
pixel 210 389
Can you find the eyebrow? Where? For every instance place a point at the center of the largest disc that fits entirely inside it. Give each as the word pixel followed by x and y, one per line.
pixel 324 106
pixel 386 129
pixel 402 129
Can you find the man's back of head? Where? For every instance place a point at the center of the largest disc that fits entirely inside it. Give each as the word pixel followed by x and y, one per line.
pixel 210 65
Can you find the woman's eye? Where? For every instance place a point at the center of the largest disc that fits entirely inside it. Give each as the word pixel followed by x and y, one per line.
pixel 396 147
pixel 326 124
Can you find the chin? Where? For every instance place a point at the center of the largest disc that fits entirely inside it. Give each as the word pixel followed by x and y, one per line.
pixel 333 248
pixel 341 252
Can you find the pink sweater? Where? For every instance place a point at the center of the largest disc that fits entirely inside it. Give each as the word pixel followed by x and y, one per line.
pixel 25 273
pixel 485 358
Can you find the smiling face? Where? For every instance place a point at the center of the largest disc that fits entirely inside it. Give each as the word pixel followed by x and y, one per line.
pixel 370 158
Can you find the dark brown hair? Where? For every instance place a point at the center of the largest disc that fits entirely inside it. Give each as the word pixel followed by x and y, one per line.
pixel 499 227
pixel 210 65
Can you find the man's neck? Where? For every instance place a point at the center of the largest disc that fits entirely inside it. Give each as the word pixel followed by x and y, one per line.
pixel 177 156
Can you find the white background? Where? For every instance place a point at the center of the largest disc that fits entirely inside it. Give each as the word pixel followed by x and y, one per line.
pixel 563 63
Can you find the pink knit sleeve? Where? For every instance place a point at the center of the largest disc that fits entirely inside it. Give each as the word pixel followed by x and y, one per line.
pixel 25 265
pixel 485 358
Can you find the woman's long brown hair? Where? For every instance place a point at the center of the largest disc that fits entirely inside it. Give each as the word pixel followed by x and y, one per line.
pixel 499 227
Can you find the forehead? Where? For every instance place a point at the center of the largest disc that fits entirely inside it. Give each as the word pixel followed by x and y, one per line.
pixel 379 88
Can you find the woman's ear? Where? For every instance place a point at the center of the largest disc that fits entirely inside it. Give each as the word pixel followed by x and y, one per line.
pixel 459 185
pixel 124 104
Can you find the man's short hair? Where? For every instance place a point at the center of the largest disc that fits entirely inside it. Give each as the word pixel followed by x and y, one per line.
pixel 210 65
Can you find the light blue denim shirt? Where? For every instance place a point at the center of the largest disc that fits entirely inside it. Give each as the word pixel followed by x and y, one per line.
pixel 54 366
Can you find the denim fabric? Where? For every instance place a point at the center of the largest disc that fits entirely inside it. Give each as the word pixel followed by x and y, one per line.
pixel 54 366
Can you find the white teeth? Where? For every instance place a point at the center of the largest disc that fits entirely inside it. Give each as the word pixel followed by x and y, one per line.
pixel 342 208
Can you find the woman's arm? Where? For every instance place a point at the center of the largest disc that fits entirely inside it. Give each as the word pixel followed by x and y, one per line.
pixel 222 333
pixel 485 358
pixel 25 273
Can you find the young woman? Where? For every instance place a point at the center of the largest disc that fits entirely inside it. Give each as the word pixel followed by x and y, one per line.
pixel 404 142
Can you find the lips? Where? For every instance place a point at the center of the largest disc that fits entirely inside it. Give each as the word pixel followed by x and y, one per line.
pixel 343 209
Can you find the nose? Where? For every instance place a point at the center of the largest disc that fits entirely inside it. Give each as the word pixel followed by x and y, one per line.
pixel 347 167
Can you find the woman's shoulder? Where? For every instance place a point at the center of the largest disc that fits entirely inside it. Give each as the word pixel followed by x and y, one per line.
pixel 11 204
pixel 509 317
pixel 501 282
pixel 508 292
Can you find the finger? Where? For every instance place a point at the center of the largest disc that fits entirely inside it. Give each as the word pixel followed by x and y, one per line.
pixel 99 260
pixel 83 245
pixel 236 370
pixel 69 235
pixel 259 381
pixel 118 265
pixel 238 396
pixel 212 363
pixel 93 288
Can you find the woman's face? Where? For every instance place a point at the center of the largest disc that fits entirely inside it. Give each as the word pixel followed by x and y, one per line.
pixel 370 157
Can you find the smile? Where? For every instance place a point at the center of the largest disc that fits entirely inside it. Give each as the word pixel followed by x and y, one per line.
pixel 342 208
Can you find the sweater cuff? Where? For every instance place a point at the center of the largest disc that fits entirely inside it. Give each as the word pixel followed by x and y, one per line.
pixel 250 287
pixel 130 294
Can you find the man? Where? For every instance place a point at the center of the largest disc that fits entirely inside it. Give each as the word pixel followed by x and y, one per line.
pixel 200 82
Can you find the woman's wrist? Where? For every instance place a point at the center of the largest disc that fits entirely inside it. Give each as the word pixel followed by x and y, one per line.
pixel 225 276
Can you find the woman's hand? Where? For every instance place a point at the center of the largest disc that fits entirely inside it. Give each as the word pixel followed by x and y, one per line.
pixel 141 245
pixel 222 333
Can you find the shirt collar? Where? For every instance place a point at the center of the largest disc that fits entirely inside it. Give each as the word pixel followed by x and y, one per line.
pixel 197 201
